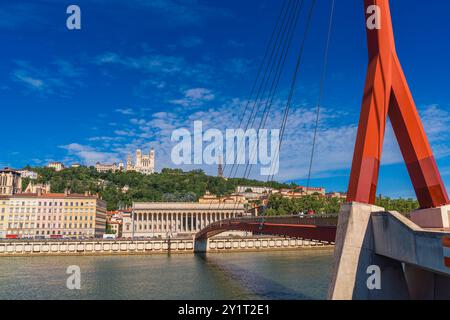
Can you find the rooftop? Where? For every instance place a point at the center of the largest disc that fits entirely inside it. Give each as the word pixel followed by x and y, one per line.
pixel 9 170
pixel 54 195
pixel 186 206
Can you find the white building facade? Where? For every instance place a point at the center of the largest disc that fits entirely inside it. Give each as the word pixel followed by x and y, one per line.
pixel 28 174
pixel 176 219
pixel 58 166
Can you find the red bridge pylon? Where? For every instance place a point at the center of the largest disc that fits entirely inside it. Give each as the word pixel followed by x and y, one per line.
pixel 387 94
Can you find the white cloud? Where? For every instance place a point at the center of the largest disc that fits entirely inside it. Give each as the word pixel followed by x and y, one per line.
pixel 125 111
pixel 67 69
pixel 149 63
pixel 105 139
pixel 22 75
pixel 335 140
pixel 237 66
pixel 124 133
pixel 195 97
pixel 56 80
pixel 89 155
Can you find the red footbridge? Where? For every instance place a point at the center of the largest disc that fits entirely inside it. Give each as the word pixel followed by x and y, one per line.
pixel 410 255
pixel 321 228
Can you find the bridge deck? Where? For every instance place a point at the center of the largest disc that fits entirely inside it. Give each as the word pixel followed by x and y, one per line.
pixel 321 228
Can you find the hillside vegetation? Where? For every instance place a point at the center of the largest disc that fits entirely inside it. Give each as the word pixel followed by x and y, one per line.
pixel 169 185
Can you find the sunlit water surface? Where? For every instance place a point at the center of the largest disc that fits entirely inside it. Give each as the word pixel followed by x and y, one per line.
pixel 301 274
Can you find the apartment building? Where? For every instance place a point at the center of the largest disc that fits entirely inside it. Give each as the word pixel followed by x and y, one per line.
pixel 52 215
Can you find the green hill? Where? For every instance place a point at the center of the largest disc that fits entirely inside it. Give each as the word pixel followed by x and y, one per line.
pixel 169 185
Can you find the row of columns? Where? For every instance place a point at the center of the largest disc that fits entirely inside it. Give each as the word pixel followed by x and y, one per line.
pixel 177 222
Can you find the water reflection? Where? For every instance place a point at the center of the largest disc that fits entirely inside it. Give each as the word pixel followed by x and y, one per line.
pixel 269 275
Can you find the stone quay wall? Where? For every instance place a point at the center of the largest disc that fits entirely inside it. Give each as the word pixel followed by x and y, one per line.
pixel 151 246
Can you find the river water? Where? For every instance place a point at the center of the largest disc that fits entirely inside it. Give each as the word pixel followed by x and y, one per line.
pixel 301 274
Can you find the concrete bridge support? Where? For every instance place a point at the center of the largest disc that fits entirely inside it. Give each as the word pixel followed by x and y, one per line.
pixel 409 258
pixel 355 253
pixel 201 245
pixel 426 285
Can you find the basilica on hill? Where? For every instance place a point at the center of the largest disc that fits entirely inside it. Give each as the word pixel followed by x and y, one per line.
pixel 143 163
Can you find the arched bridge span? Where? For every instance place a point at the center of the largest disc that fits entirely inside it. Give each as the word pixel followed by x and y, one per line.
pixel 318 227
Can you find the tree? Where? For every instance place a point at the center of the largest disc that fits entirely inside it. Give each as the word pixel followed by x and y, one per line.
pixel 169 185
pixel 279 205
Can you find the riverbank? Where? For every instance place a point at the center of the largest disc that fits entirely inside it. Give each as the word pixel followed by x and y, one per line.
pixel 150 246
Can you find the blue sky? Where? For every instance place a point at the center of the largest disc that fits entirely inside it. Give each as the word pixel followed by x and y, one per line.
pixel 139 69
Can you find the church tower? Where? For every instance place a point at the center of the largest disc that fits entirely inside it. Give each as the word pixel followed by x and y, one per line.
pixel 129 164
pixel 152 158
pixel 138 158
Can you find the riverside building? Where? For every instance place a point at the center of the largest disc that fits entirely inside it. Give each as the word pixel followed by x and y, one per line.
pixel 52 215
pixel 176 219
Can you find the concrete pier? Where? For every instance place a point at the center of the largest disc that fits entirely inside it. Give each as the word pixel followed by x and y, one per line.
pixel 410 259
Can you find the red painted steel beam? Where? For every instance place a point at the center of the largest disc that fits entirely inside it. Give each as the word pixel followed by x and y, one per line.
pixel 311 232
pixel 386 94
